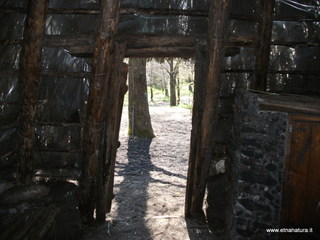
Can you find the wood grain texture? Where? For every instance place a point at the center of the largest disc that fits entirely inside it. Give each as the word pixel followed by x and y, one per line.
pixel 29 77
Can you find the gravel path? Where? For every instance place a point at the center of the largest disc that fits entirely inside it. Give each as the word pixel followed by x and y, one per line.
pixel 150 180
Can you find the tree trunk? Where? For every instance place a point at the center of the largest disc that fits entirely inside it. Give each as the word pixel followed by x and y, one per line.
pixel 166 92
pixel 151 93
pixel 139 116
pixel 172 73
pixel 178 90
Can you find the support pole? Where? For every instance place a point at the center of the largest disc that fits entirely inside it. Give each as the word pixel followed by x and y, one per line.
pixel 200 163
pixel 116 86
pixel 263 49
pixel 30 63
pixel 102 61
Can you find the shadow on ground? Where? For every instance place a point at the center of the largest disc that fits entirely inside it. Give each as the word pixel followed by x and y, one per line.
pixel 139 215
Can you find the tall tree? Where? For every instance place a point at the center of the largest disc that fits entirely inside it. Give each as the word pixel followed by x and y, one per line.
pixel 139 115
pixel 173 82
pixel 173 71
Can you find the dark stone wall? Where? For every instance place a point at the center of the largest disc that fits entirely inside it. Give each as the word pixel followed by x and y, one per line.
pixel 257 168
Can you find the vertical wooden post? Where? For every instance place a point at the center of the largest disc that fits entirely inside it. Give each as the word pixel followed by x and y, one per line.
pixel 263 49
pixel 102 60
pixel 196 184
pixel 201 71
pixel 116 84
pixel 30 62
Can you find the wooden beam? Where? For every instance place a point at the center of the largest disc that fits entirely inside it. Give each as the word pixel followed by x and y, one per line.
pixel 218 17
pixel 165 12
pixel 73 11
pixel 143 46
pixel 112 125
pixel 29 76
pixel 9 73
pixel 181 52
pixel 201 71
pixel 263 49
pixel 69 41
pixel 10 42
pixel 108 20
pixel 54 74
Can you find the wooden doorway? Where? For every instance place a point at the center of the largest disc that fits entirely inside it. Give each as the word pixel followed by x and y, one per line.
pixel 301 192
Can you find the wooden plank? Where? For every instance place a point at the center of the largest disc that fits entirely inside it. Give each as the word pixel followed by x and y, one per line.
pixel 296 170
pixel 300 198
pixel 108 20
pixel 29 77
pixel 105 181
pixel 218 18
pixel 311 213
pixel 263 50
pixel 289 103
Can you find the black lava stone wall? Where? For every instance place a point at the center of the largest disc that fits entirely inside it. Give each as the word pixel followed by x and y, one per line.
pixel 257 168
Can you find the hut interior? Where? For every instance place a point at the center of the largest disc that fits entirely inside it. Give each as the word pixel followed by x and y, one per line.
pixel 256 110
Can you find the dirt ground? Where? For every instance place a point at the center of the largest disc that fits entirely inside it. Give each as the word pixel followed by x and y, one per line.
pixel 150 181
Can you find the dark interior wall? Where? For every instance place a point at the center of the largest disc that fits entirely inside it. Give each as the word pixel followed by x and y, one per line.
pixel 295 52
pixel 11 31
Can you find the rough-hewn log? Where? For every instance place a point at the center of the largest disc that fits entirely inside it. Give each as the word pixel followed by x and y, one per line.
pixel 9 73
pixel 30 75
pixel 105 181
pixel 201 71
pixel 164 12
pixel 305 73
pixel 11 125
pixel 73 11
pixel 80 46
pixel 12 10
pixel 263 49
pixel 102 61
pixel 69 41
pixel 141 41
pixel 66 74
pixel 58 150
pixel 144 46
pixel 122 92
pixel 181 52
pixel 10 42
pixel 218 18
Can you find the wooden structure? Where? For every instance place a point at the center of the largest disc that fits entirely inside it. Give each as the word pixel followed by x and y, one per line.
pixel 29 74
pixel 216 35
pixel 300 195
pixel 206 121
